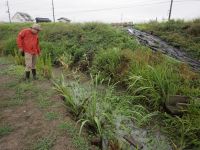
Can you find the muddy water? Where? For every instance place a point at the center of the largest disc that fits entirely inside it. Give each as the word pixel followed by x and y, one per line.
pixel 157 44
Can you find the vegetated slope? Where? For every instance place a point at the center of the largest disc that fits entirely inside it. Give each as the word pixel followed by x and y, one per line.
pixel 76 39
pixel 111 56
pixel 182 34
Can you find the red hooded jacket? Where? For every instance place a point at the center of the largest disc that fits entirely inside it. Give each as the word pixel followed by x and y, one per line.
pixel 28 42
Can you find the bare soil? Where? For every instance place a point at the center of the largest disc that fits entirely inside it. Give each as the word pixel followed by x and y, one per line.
pixel 28 121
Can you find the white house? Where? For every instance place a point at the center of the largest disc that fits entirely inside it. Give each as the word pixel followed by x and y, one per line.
pixel 21 17
pixel 62 19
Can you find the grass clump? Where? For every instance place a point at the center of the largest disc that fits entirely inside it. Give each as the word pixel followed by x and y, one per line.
pixel 51 116
pixel 43 101
pixel 5 129
pixel 112 64
pixel 186 128
pixel 44 143
pixel 44 66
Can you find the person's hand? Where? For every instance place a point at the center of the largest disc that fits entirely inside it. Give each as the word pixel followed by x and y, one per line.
pixel 22 53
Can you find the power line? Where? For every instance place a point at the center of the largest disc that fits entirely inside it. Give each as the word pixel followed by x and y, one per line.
pixel 137 4
pixel 126 7
pixel 134 3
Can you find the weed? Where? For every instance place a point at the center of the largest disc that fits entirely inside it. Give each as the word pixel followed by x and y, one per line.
pixel 44 144
pixel 51 116
pixel 19 59
pixel 44 66
pixel 74 95
pixel 43 102
pixel 6 60
pixel 15 70
pixel 152 81
pixel 5 129
pixel 112 64
pixel 65 60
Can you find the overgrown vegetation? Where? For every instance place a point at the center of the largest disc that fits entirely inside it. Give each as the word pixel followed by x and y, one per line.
pixel 150 80
pixel 103 112
pixel 180 33
pixel 129 86
pixel 74 39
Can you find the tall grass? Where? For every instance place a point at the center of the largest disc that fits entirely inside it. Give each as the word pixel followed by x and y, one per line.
pixel 44 66
pixel 19 59
pixel 103 112
pixel 112 64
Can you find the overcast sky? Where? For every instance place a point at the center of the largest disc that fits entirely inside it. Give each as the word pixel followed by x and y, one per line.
pixel 103 10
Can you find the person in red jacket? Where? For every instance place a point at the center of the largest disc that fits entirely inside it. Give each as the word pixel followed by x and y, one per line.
pixel 28 44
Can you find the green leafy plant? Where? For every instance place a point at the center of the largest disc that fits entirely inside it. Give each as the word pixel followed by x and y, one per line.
pixel 74 95
pixel 19 59
pixel 51 116
pixel 65 60
pixel 44 65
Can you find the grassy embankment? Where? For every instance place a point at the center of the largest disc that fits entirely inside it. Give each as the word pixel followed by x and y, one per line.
pixel 182 34
pixel 113 59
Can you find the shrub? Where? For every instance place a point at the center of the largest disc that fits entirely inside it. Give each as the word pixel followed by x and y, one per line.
pixel 112 64
pixel 10 46
pixel 148 77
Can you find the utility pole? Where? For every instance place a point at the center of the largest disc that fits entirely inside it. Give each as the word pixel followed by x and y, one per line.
pixel 8 11
pixel 121 17
pixel 170 10
pixel 53 11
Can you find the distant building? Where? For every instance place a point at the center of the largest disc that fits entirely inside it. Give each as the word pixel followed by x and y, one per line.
pixel 21 17
pixel 38 20
pixel 65 20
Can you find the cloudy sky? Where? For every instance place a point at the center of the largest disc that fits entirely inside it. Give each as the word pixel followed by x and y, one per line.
pixel 103 10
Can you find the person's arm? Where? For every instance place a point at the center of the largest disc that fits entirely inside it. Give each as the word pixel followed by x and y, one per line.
pixel 20 38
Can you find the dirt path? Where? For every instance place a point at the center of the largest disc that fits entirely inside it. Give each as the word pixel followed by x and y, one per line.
pixel 32 116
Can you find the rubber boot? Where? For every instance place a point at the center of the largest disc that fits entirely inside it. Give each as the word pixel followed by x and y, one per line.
pixel 34 74
pixel 27 76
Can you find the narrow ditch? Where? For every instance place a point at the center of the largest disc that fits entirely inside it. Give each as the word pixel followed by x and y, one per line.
pixel 157 44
